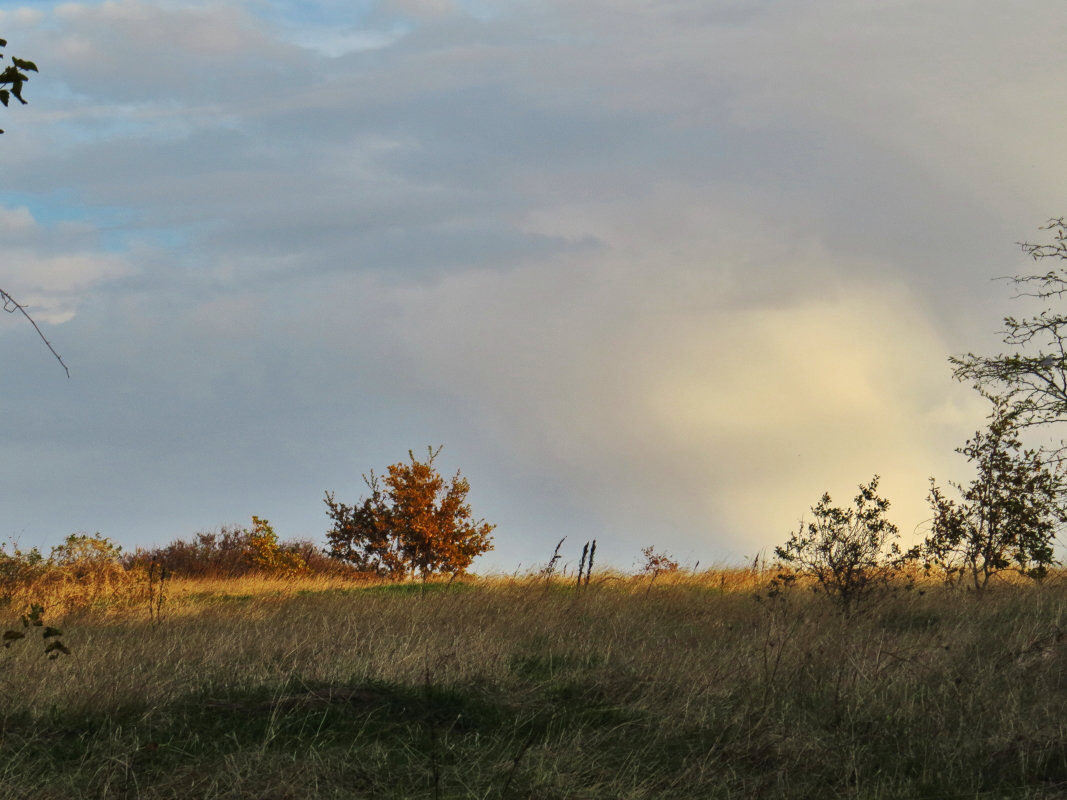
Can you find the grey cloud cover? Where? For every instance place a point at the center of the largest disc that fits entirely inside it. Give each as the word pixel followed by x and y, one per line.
pixel 652 272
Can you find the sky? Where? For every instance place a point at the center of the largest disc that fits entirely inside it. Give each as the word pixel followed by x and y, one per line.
pixel 654 273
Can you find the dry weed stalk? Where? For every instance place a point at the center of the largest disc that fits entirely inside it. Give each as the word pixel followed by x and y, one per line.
pixel 585 565
pixel 549 570
pixel 157 591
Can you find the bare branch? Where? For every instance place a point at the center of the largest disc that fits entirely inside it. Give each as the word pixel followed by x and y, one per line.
pixel 1034 379
pixel 11 306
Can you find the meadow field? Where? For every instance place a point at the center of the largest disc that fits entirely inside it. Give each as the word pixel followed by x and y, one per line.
pixel 522 687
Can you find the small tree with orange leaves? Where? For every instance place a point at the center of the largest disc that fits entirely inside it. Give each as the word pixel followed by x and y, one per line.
pixel 413 522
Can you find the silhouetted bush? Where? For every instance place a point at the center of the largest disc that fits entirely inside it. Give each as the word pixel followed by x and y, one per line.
pixel 849 552
pixel 1007 516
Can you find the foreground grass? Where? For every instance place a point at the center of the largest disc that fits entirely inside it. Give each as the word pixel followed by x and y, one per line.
pixel 510 689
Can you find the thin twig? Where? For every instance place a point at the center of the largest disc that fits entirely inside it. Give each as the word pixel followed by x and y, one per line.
pixel 11 306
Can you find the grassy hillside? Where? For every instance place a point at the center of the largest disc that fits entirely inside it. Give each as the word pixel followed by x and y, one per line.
pixel 517 689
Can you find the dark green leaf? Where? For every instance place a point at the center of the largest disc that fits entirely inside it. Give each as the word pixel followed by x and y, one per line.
pixel 50 632
pixel 5 95
pixel 29 66
pixel 57 647
pixel 10 636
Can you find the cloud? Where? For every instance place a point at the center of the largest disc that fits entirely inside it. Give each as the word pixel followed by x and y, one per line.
pixel 672 409
pixel 21 16
pixel 660 272
pixel 49 268
pixel 129 55
pixel 419 9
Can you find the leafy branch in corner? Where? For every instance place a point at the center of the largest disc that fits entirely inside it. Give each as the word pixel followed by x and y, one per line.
pixel 12 79
pixel 14 76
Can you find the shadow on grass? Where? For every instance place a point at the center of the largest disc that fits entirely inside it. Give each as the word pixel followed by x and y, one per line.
pixel 375 738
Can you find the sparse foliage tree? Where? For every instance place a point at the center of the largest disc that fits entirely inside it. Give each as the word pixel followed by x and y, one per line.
pixel 1006 518
pixel 1033 378
pixel 849 551
pixel 413 522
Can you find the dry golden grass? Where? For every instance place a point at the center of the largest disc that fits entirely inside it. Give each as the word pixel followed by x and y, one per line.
pixel 108 591
pixel 514 687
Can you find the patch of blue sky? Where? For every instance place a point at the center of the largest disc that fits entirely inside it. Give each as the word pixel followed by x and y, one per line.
pixel 53 208
pixel 115 227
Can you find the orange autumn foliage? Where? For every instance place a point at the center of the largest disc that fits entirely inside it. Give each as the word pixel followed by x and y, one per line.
pixel 413 522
